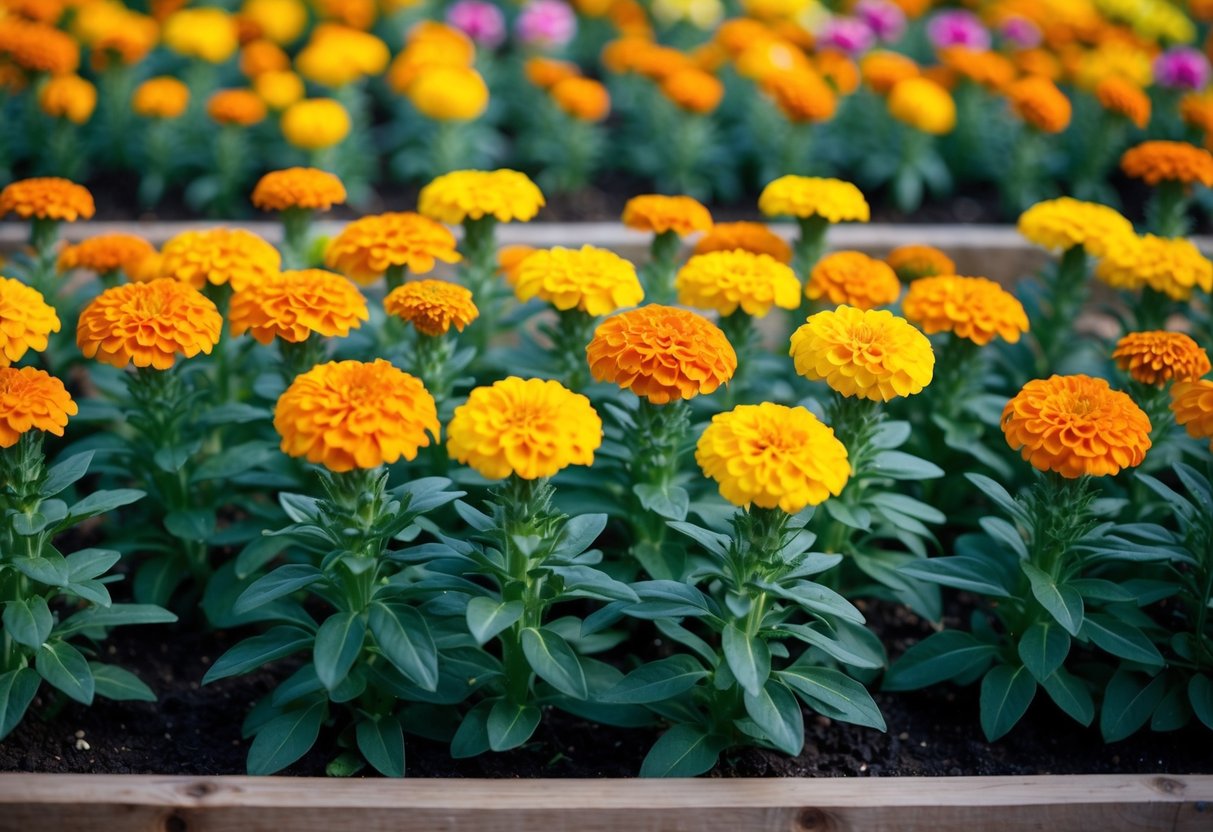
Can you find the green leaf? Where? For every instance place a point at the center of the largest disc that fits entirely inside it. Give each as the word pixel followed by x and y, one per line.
pixel 1200 695
pixel 1173 711
pixel 579 534
pixel 1006 693
pixel 472 736
pixel 338 643
pixel 257 553
pixel 682 751
pixel 17 690
pixel 282 581
pixel 839 695
pixel 1043 648
pixel 405 640
pixel 117 615
pixel 65 668
pixel 898 465
pixel 1071 695
pixel 1128 701
pixel 1061 601
pixel 286 738
pixel 121 685
pixel 381 741
pixel 90 563
pixel 62 474
pixel 670 502
pixel 195 524
pixel 234 460
pixel 253 652
pixel 831 646
pixel 656 681
pixel 100 502
pixel 1122 640
pixel 50 569
pixel 1100 590
pixel 29 623
pixel 1000 497
pixel 713 543
pixel 776 711
pixel 589 582
pixel 510 725
pixel 938 658
pixel 748 658
pixel 487 617
pixel 1004 532
pixel 554 661
pixel 959 572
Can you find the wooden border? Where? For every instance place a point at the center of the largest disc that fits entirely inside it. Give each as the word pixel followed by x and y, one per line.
pixel 114 803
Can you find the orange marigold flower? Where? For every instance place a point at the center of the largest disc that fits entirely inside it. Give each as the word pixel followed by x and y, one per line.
pixel 882 69
pixel 975 308
pixel 746 236
pixel 1124 98
pixel 738 33
pixel 105 253
pixel 32 399
pixel 989 69
pixel 279 90
pixel 26 320
pixel 582 98
pixel 243 108
pixel 1040 103
pixel 693 90
pixel 807 196
pixel 870 354
pixel 1163 161
pixel 1192 404
pixel 68 96
pixel 47 198
pixel 1076 426
pixel 432 306
pixel 350 414
pixel 725 280
pixel 160 97
pixel 1196 110
pixel 593 280
pixel 1174 267
pixel 37 47
pixel 530 428
pixel 853 278
pixel 773 456
pixel 506 195
pixel 294 304
pixel 370 245
pixel 546 73
pixel 218 256
pixel 1156 358
pixel 148 324
pixel 838 68
pixel 658 213
pixel 309 189
pixel 802 95
pixel 261 56
pixel 1064 223
pixel 914 261
pixel 661 353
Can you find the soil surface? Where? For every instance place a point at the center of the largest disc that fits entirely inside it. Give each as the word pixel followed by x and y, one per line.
pixel 196 731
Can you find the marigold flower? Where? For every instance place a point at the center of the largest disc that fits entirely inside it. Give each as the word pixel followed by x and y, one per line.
pixel 802 95
pixel 882 70
pixel 773 456
pixel 1076 426
pixel 527 427
pixel 462 195
pixel 509 260
pixel 47 198
pixel 1124 98
pixel 338 55
pixel 370 245
pixel 26 320
pixel 350 414
pixel 753 237
pixel 242 108
pixel 449 93
pixel 1163 161
pixel 1174 267
pixel 282 21
pixel 315 123
pixel 1040 104
pixel 294 304
pixel 837 67
pixel 261 56
pixel 593 280
pixel 981 66
pixel 853 278
pixel 208 34
pixel 114 32
pixel 582 98
pixel 1192 404
pixel 661 353
pixel 419 56
pixel 279 90
pixel 37 47
pixel 105 253
pixel 218 256
pixel 693 90
pixel 808 196
pixel 32 399
pixel 975 308
pixel 432 306
pixel 68 96
pixel 160 97
pixel 658 214
pixel 870 354
pixel 545 72
pixel 1156 358
pixel 924 105
pixel 148 324
pixel 914 261
pixel 725 280
pixel 310 189
pixel 1196 110
pixel 1061 224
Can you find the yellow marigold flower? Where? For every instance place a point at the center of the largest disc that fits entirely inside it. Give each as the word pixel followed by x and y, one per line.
pixel 294 304
pixel 594 280
pixel 975 308
pixel 419 56
pixel 693 90
pixel 725 280
pixel 47 198
pixel 315 123
pixel 808 196
pixel 350 414
pixel 105 253
pixel 148 324
pixel 1163 161
pixel 802 95
pixel 160 97
pixel 509 260
pixel 26 320
pixel 870 354
pixel 462 195
pixel 369 246
pixel 218 256
pixel 145 270
pixel 1192 404
pixel 853 278
pixel 924 105
pixel 208 34
pixel 527 427
pixel 37 47
pixel 114 33
pixel 282 21
pixel 1076 426
pixel 773 456
pixel 337 55
pixel 68 96
pixel 658 214
pixel 1156 358
pixel 449 93
pixel 582 98
pixel 1061 224
pixel 243 108
pixel 1124 98
pixel 746 236
pixel 1040 103
pixel 914 261
pixel 545 72
pixel 432 306
pixel 308 188
pixel 32 399
pixel 279 89
pixel 1172 266
pixel 661 353
pixel 882 70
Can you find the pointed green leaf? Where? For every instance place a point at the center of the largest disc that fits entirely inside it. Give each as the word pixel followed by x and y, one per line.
pixel 1061 601
pixel 405 640
pixel 286 738
pixel 510 725
pixel 838 694
pixel 682 751
pixel 381 742
pixel 1006 693
pixel 29 622
pixel 1071 695
pixel 487 617
pixel 1043 648
pixel 338 643
pixel 938 658
pixel 747 656
pixel 118 684
pixel 1121 639
pixel 253 652
pixel 656 681
pixel 776 711
pixel 1200 695
pixel 282 581
pixel 62 474
pixel 63 667
pixel 1128 701
pixel 17 690
pixel 554 661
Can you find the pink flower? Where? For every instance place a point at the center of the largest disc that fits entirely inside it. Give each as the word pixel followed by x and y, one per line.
pixel 546 24
pixel 886 19
pixel 957 27
pixel 848 34
pixel 481 21
pixel 1182 67
pixel 1020 32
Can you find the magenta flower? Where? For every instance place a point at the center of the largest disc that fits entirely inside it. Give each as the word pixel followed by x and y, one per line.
pixel 1182 68
pixel 1020 32
pixel 546 24
pixel 886 19
pixel 957 27
pixel 481 21
pixel 848 34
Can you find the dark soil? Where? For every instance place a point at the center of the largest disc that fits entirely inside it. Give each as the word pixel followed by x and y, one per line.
pixel 194 730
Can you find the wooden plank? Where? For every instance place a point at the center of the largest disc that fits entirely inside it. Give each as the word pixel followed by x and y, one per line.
pixel 1107 803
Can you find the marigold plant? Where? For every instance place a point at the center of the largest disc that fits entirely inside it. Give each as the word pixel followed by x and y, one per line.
pixel 805 196
pixel 1192 404
pixel 1155 162
pixel 911 262
pixel 1172 267
pixel 589 279
pixel 506 195
pixel 376 244
pixel 1156 358
pixel 47 198
pixel 161 97
pixel 219 256
pixel 298 188
pixel 26 320
pixel 974 308
pixel 924 105
pixel 106 254
pixel 658 214
pixel 728 280
pixel 294 305
pixel 1065 223
pixel 241 108
pixel 754 237
pixel 148 324
pixel 855 279
pixel 32 399
pixel 315 124
pixel 432 306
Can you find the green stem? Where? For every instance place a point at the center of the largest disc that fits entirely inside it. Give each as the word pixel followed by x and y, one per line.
pixel 296 228
pixel 657 275
pixel 1065 294
pixel 1167 210
pixel 572 332
pixel 479 273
